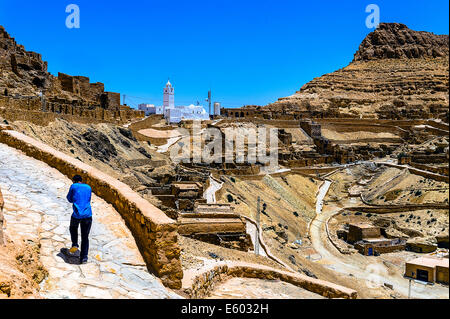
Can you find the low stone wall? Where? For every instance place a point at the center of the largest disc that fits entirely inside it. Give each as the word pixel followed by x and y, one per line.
pixel 242 177
pixel 44 118
pixel 199 286
pixel 442 170
pixel 243 170
pixel 314 170
pixel 383 208
pixel 31 109
pixel 406 123
pixel 261 121
pixel 430 158
pixel 2 241
pixel 386 209
pixel 436 131
pixel 439 125
pixel 156 234
pixel 369 140
pixel 38 118
pixel 193 226
pixel 389 249
pixel 434 176
pixel 356 127
pixel 148 122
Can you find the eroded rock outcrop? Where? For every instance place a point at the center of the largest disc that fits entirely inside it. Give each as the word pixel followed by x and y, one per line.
pixel 25 84
pixel 397 73
pixel 397 41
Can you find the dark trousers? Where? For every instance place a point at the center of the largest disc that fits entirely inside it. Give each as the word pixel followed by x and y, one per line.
pixel 85 224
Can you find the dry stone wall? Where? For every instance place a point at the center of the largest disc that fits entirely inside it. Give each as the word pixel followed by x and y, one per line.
pixel 13 109
pixel 201 285
pixel 436 177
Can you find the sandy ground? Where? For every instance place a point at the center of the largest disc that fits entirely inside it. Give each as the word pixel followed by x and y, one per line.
pixel 248 288
pixel 405 188
pixel 299 136
pixel 341 136
pixel 195 254
pixel 283 197
pixel 149 132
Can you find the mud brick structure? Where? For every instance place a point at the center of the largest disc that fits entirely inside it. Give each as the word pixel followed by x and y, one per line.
pixel 313 129
pixel 186 194
pixel 217 224
pixel 370 247
pixel 110 101
pixel 420 246
pixel 368 239
pixel 428 269
pixel 357 232
pixel 402 160
pixel 25 84
pixel 285 137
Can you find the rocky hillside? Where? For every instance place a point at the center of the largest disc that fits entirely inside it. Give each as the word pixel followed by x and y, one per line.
pixel 24 75
pixel 396 73
pixel 21 71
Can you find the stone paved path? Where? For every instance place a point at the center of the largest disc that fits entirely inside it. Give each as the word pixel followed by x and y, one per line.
pixel 36 209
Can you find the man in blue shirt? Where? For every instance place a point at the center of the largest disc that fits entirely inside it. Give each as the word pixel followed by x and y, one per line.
pixel 80 196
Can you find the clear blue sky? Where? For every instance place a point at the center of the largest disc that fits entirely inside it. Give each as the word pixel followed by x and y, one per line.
pixel 249 52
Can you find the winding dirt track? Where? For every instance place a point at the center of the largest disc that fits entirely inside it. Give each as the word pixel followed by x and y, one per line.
pixel 370 269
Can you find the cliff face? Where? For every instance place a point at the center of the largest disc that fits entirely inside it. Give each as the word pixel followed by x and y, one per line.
pixel 21 71
pixel 396 73
pixel 397 41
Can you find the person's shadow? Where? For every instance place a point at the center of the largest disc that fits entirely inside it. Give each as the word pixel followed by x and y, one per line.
pixel 73 259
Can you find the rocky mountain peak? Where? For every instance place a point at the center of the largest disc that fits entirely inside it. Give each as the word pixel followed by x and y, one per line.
pixel 397 41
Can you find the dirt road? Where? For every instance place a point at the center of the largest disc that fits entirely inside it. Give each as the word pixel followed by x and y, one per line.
pixel 370 269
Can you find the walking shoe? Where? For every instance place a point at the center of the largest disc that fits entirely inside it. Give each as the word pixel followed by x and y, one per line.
pixel 73 250
pixel 83 261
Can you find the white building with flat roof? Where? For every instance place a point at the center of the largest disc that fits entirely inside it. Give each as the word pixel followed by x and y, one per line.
pixel 172 113
pixel 175 114
pixel 150 109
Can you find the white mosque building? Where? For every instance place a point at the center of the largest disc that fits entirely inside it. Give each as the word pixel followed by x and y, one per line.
pixel 172 113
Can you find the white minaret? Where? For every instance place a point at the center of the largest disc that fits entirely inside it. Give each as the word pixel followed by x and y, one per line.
pixel 169 97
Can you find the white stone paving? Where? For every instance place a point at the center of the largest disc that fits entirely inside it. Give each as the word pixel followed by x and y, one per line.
pixel 36 209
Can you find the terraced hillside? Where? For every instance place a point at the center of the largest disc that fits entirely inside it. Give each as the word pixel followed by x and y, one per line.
pixel 396 73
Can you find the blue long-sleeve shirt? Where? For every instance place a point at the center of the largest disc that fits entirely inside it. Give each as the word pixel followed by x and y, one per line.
pixel 80 196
